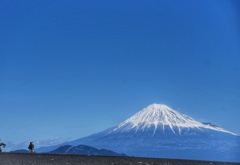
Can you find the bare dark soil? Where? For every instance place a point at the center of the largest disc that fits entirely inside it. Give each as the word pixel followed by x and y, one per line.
pixel 57 159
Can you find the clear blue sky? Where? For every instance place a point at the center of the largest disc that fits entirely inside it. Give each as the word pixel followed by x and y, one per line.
pixel 72 68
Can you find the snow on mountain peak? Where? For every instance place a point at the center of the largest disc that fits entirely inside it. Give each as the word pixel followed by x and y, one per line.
pixel 160 116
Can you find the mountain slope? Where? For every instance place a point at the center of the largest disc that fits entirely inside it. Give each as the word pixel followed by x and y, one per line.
pixel 159 131
pixel 20 151
pixel 84 150
pixel 159 116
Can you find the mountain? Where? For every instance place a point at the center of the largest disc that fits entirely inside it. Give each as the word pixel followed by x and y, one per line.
pixel 160 117
pixel 84 150
pixel 161 132
pixel 20 151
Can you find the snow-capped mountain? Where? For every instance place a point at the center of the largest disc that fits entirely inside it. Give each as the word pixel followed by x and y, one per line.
pixel 159 131
pixel 160 116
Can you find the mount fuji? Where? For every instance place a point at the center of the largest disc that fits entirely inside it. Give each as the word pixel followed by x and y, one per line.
pixel 161 132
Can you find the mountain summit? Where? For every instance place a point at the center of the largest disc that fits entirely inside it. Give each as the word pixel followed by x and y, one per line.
pixel 161 132
pixel 160 116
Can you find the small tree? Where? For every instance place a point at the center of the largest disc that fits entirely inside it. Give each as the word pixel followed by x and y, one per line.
pixel 2 145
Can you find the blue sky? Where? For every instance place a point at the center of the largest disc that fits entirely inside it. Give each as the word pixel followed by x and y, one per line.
pixel 70 69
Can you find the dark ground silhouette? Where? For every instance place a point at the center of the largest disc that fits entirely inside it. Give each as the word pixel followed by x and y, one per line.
pixel 61 159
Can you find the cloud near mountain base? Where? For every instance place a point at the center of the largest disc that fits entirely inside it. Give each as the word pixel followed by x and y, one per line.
pixel 11 146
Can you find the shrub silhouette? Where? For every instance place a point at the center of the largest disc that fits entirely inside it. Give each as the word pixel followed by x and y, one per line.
pixel 2 145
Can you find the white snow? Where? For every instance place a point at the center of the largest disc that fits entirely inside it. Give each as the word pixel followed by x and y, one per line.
pixel 159 116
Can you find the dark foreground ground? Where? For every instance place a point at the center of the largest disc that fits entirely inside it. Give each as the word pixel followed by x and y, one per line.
pixel 54 159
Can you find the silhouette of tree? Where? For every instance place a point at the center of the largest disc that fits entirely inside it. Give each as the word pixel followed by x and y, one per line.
pixel 2 145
